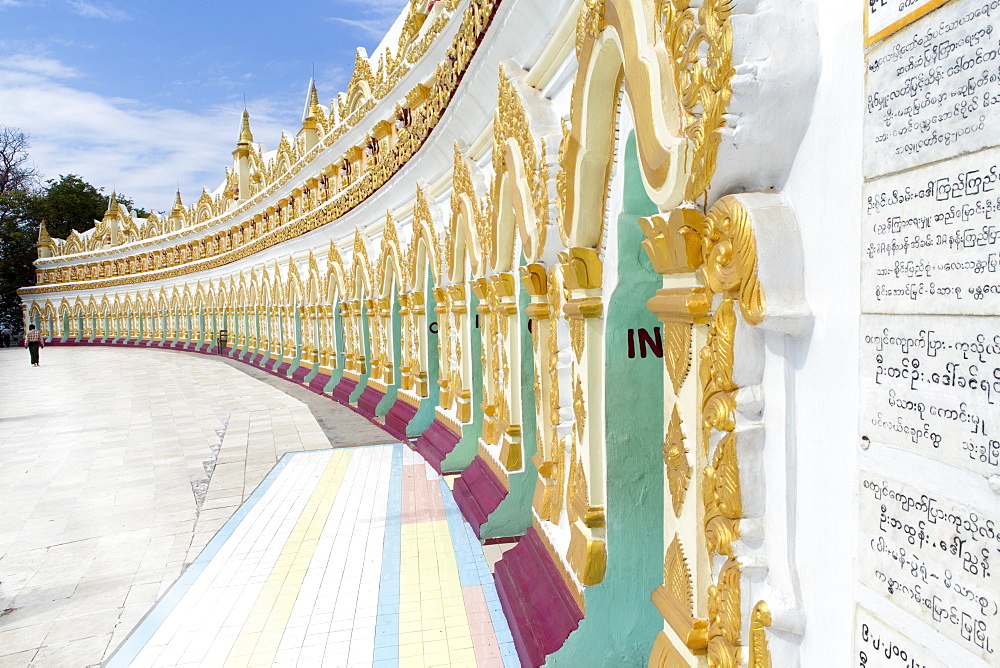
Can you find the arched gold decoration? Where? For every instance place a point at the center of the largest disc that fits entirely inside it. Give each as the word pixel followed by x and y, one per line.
pixel 524 172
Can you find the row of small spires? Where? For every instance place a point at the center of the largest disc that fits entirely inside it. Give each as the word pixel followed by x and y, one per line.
pixel 246 138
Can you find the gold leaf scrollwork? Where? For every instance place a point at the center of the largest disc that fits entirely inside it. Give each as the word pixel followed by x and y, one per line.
pixel 760 653
pixel 675 456
pixel 716 372
pixel 723 505
pixel 724 616
pixel 729 248
pixel 700 44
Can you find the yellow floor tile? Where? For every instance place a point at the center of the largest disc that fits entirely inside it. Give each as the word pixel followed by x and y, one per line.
pixel 410 651
pixel 436 647
pixel 437 659
pixel 463 657
pixel 410 638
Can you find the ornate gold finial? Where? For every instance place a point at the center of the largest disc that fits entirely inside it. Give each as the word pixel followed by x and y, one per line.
pixel 43 234
pixel 178 204
pixel 112 205
pixel 246 137
pixel 313 100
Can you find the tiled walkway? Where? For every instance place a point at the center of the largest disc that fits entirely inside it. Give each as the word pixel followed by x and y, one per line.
pixel 354 557
pixel 118 466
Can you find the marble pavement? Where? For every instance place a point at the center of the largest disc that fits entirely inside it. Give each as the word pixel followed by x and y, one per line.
pixel 116 468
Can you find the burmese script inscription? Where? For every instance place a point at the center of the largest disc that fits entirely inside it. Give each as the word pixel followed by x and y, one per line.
pixel 932 386
pixel 931 238
pixel 876 645
pixel 933 557
pixel 933 89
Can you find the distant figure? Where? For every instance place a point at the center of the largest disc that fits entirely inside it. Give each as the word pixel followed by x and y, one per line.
pixel 5 336
pixel 33 341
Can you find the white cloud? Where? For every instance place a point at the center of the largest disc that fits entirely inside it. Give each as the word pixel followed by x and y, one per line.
pixel 104 10
pixel 143 151
pixel 31 65
pixel 375 28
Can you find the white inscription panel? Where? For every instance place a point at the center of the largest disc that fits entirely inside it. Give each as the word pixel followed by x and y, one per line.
pixel 933 89
pixel 883 15
pixel 931 385
pixel 934 558
pixel 878 646
pixel 931 239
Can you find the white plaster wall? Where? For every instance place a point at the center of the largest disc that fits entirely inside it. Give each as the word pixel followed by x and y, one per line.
pixel 825 189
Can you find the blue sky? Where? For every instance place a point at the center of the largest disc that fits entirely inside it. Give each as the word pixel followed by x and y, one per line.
pixel 146 95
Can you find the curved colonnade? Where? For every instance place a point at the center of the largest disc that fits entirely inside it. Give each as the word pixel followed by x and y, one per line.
pixel 519 255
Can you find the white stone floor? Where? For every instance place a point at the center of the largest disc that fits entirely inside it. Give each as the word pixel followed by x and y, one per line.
pixel 116 468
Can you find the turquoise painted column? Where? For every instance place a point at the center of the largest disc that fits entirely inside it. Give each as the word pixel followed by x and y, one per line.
pixel 397 354
pixel 621 621
pixel 365 335
pixel 297 330
pixel 467 448
pixel 513 516
pixel 339 354
pixel 313 315
pixel 425 414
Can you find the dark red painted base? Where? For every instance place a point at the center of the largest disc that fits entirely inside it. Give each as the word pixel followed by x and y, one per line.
pixel 478 492
pixel 368 401
pixel 538 605
pixel 318 382
pixel 436 442
pixel 299 374
pixel 398 418
pixel 282 370
pixel 342 392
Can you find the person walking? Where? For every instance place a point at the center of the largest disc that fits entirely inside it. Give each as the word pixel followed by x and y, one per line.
pixel 33 341
pixel 5 337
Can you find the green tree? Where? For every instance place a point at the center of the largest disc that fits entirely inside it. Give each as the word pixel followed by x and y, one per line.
pixel 66 204
pixel 69 204
pixel 18 233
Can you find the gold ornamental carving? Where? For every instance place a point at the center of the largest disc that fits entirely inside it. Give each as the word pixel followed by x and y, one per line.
pixel 675 457
pixel 729 251
pixel 724 617
pixel 760 620
pixel 700 44
pixel 677 352
pixel 675 600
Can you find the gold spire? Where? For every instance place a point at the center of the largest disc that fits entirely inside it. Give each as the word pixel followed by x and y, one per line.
pixel 178 204
pixel 313 98
pixel 43 234
pixel 246 136
pixel 312 112
pixel 112 205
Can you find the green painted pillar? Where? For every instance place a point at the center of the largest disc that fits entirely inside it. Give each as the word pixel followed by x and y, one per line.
pixel 621 621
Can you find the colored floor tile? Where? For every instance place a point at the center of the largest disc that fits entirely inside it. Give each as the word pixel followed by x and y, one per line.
pixel 341 557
